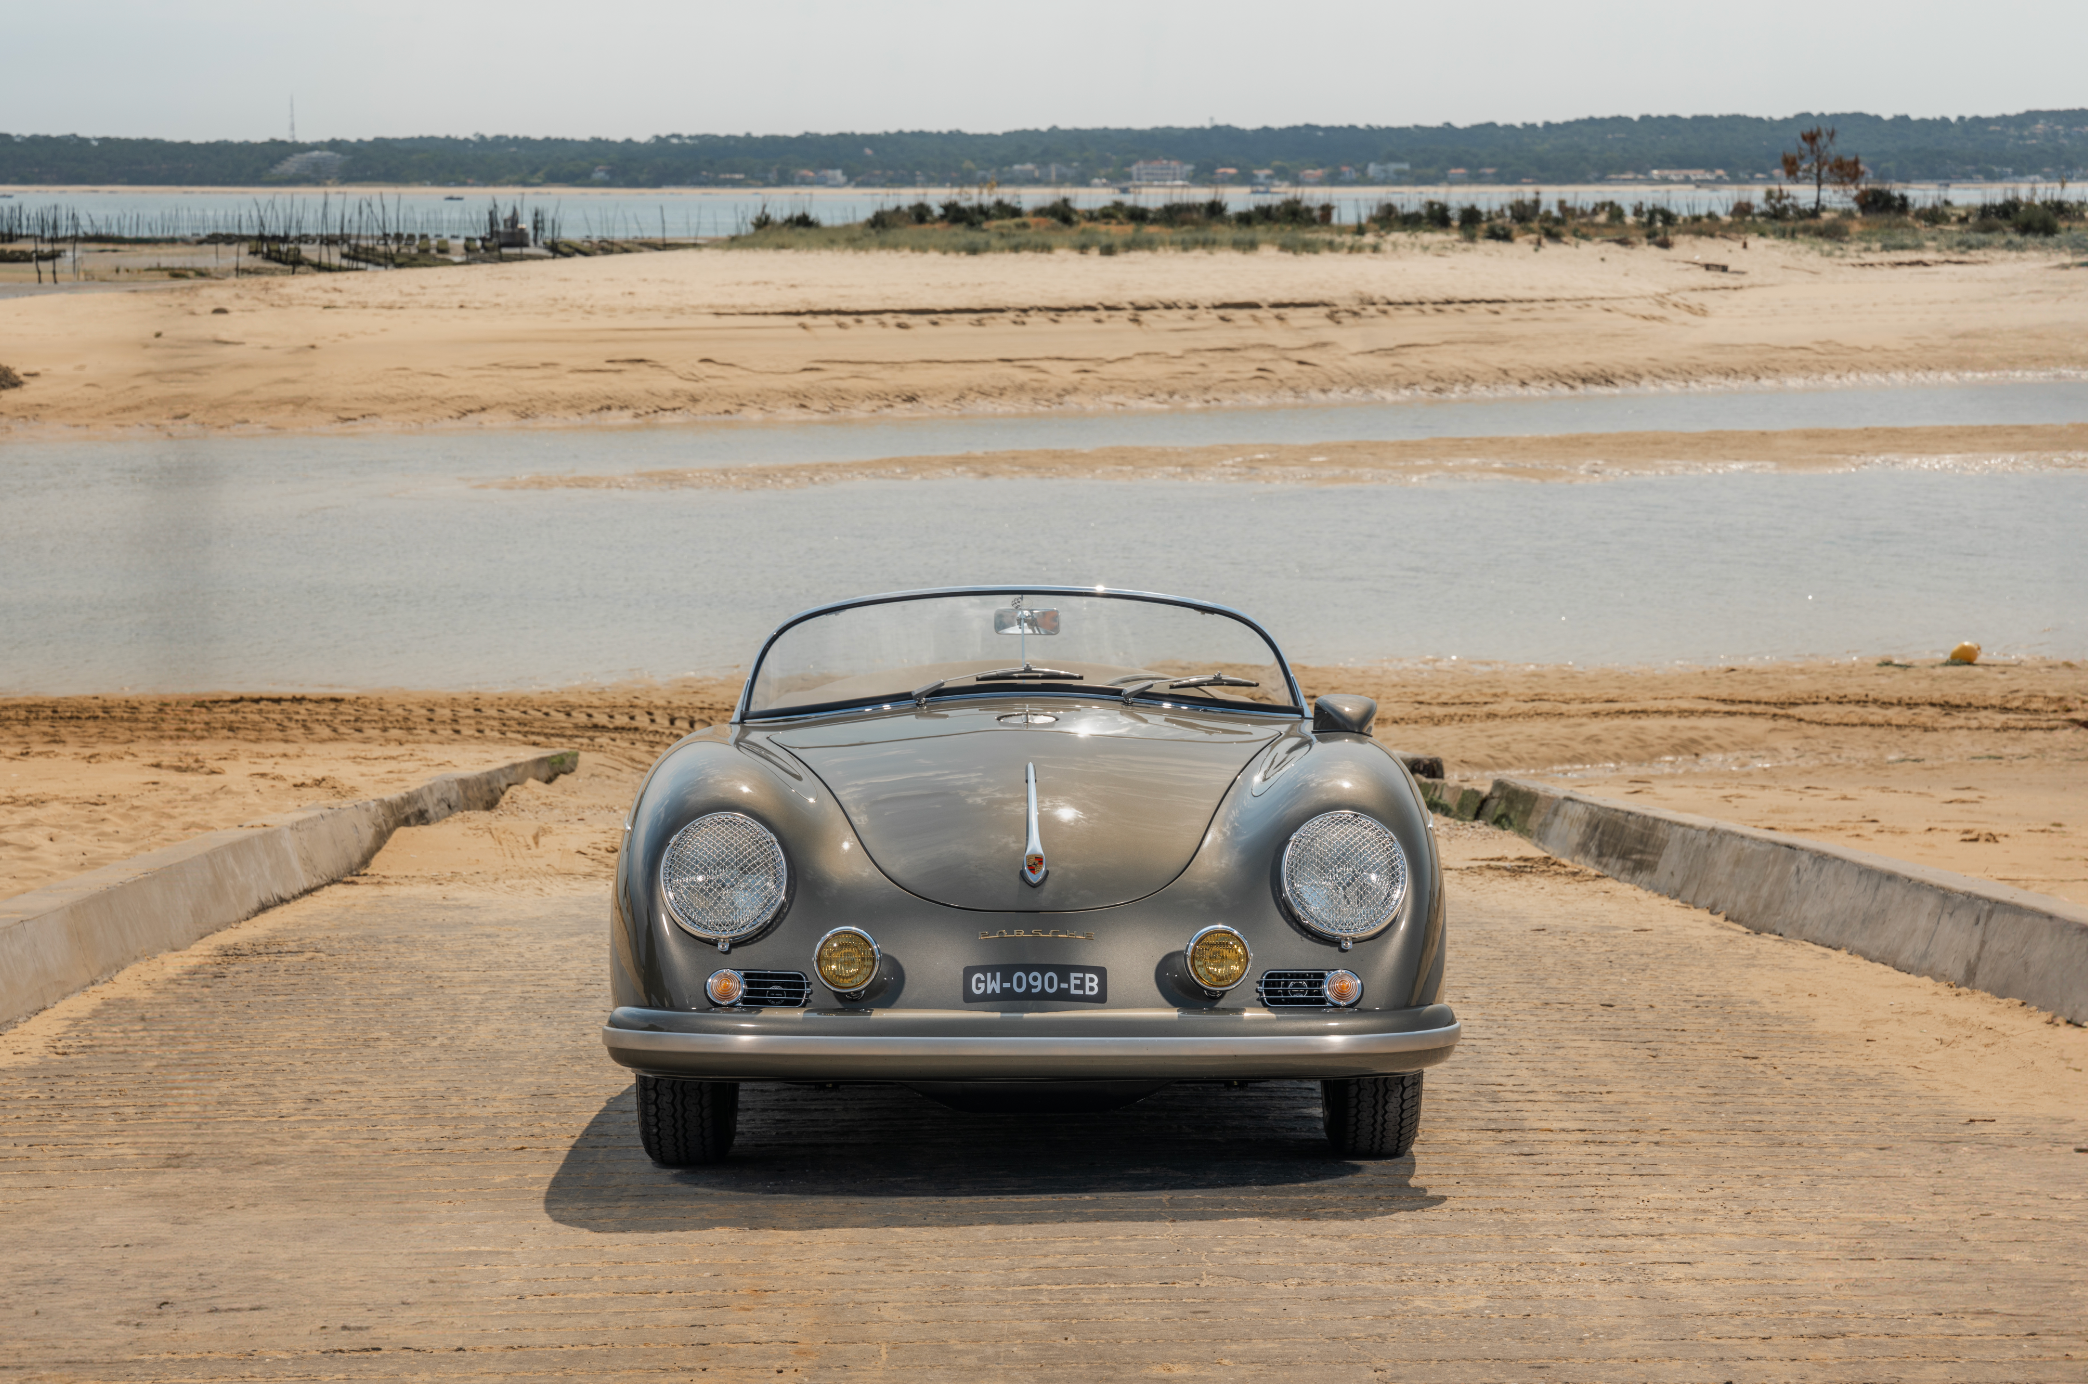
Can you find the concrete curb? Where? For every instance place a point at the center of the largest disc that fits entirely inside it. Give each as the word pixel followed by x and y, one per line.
pixel 61 939
pixel 1972 932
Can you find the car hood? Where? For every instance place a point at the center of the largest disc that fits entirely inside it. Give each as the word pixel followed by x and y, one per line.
pixel 938 796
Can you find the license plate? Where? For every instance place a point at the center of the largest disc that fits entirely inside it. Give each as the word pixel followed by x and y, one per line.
pixel 999 984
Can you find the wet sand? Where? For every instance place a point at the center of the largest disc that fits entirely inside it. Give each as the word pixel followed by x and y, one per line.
pixel 1565 457
pixel 714 333
pixel 1982 770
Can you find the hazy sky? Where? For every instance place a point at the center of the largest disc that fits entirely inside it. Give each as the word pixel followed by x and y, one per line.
pixel 216 69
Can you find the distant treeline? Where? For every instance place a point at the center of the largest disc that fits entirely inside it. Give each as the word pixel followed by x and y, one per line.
pixel 2038 144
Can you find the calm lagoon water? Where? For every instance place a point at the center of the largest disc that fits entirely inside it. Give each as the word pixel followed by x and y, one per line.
pixel 685 212
pixel 279 565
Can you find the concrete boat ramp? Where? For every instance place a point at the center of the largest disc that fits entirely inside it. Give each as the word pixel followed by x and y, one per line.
pixel 371 1134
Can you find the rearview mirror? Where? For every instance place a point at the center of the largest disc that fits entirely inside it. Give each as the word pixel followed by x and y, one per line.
pixel 1020 621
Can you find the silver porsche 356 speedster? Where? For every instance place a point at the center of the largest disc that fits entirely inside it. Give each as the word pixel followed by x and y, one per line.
pixel 1026 850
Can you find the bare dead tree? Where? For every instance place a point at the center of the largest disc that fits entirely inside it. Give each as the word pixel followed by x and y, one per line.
pixel 1815 161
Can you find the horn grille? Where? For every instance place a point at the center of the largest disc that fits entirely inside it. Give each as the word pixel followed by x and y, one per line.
pixel 775 989
pixel 1292 989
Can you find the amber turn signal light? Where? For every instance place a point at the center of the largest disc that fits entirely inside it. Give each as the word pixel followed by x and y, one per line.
pixel 725 987
pixel 1218 958
pixel 846 960
pixel 1343 988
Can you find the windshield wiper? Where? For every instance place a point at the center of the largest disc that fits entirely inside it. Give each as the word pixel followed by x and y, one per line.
pixel 1025 673
pixel 1139 686
pixel 1214 680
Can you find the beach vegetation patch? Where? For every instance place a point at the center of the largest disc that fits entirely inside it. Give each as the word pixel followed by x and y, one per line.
pixel 1880 200
pixel 764 220
pixel 982 225
pixel 2037 220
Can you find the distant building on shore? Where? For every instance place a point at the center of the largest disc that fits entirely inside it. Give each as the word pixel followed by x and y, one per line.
pixel 1161 172
pixel 318 165
pixel 1040 174
pixel 1387 172
pixel 1687 175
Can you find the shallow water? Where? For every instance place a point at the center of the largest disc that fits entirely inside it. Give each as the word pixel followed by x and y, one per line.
pixel 204 568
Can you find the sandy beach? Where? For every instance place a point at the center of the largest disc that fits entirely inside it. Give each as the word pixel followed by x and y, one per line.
pixel 717 333
pixel 67 807
pixel 1982 770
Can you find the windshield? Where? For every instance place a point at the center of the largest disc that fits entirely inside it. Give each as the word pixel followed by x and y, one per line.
pixel 971 643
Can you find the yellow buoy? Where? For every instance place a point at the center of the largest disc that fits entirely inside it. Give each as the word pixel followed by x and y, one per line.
pixel 1967 652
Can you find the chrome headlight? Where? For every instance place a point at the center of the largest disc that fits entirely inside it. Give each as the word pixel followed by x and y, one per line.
pixel 724 877
pixel 1344 875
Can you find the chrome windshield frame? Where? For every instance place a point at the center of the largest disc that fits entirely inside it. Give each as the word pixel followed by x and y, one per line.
pixel 741 713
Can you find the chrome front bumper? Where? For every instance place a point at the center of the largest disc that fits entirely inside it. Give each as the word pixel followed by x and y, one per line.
pixel 961 1045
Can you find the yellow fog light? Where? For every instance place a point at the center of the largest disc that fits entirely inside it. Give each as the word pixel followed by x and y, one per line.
pixel 846 960
pixel 1218 958
pixel 725 987
pixel 1343 988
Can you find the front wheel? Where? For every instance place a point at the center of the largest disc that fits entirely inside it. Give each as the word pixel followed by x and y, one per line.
pixel 1373 1116
pixel 687 1123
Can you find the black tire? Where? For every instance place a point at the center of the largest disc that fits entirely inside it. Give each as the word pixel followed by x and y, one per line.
pixel 684 1124
pixel 1373 1116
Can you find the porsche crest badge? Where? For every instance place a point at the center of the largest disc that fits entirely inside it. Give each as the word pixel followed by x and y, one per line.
pixel 1034 866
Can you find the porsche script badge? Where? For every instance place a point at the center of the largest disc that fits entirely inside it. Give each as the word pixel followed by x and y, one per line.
pixel 991 935
pixel 1033 863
